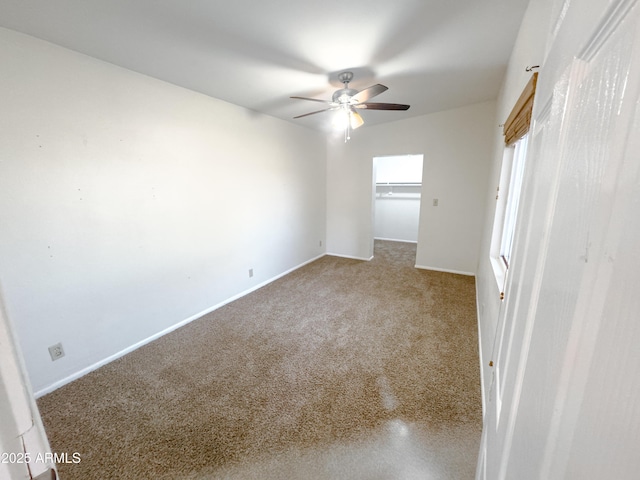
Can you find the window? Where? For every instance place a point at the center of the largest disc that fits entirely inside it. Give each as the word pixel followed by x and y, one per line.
pixel 516 129
pixel 512 199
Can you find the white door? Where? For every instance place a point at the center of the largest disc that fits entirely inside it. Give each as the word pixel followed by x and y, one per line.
pixel 566 394
pixel 24 449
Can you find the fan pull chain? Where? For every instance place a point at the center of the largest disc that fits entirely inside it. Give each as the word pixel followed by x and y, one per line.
pixel 347 133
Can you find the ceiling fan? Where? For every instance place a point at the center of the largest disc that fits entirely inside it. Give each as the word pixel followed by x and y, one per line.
pixel 348 101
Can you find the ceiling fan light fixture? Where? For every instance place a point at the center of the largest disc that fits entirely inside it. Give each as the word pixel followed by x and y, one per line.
pixel 345 118
pixel 356 120
pixel 341 119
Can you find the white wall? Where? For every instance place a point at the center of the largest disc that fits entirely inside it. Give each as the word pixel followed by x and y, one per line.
pixel 398 169
pixel 457 146
pixel 129 205
pixel 397 213
pixel 528 50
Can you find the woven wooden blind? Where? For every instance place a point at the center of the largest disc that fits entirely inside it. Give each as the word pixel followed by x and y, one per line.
pixel 517 125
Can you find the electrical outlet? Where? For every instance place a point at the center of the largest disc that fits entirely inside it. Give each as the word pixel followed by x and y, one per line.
pixel 250 272
pixel 56 351
pixel 435 202
pixel 320 242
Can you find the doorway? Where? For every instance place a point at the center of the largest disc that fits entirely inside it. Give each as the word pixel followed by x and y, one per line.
pixel 396 202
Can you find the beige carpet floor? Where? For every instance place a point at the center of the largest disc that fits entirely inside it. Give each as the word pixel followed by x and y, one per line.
pixel 343 369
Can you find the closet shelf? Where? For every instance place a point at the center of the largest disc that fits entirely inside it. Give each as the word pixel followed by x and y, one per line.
pixel 398 184
pixel 398 196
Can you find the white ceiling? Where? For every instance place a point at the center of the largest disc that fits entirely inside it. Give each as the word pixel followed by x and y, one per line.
pixel 432 54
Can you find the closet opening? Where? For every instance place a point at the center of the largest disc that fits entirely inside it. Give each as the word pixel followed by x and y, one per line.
pixel 396 202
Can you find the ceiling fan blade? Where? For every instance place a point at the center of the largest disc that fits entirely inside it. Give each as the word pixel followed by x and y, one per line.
pixel 368 93
pixel 382 106
pixel 313 113
pixel 312 99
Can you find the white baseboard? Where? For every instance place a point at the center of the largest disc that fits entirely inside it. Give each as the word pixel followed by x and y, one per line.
pixel 350 257
pixel 395 240
pixel 115 356
pixel 445 270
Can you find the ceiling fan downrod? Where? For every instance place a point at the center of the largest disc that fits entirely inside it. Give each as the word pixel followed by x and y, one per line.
pixel 343 96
